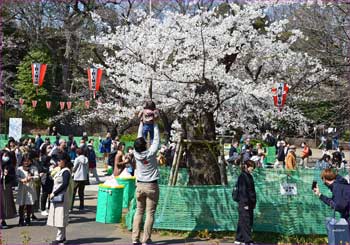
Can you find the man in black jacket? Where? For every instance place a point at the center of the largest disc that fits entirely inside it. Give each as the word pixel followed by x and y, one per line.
pixel 246 197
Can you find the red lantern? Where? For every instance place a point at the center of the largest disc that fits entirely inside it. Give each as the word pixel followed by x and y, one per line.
pixel 34 103
pixel 62 103
pixel 38 74
pixel 87 104
pixel 94 77
pixel 280 95
pixel 48 105
pixel 21 101
pixel 69 105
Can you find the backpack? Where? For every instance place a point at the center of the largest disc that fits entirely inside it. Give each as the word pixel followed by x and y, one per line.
pixel 111 158
pixel 310 152
pixel 235 192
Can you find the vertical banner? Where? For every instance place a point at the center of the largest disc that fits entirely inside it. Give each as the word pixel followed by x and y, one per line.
pixel 48 105
pixel 94 77
pixel 62 103
pixel 34 103
pixel 87 104
pixel 15 128
pixel 69 105
pixel 38 74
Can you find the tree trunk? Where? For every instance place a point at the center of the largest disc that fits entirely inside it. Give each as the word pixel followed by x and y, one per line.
pixel 202 158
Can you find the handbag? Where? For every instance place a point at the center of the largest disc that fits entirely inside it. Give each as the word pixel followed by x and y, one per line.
pixel 58 198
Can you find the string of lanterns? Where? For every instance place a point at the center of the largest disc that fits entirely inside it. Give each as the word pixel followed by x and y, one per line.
pixel 38 75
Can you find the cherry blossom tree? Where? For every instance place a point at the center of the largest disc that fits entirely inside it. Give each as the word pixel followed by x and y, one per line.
pixel 213 70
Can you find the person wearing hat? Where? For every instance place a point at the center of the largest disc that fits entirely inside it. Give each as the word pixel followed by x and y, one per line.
pixel 291 158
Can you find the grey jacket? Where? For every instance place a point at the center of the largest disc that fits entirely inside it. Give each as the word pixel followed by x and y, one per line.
pixel 146 161
pixel 81 168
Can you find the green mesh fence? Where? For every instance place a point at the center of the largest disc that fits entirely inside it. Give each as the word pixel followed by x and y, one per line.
pixel 164 172
pixel 191 208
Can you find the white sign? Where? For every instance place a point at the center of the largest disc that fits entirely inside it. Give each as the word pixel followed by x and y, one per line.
pixel 288 189
pixel 15 128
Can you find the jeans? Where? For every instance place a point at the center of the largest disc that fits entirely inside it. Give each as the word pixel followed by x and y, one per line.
pixel 147 196
pixel 148 128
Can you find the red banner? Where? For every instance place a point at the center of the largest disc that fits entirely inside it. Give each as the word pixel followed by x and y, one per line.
pixel 87 104
pixel 21 101
pixel 94 77
pixel 48 105
pixel 38 74
pixel 62 103
pixel 69 105
pixel 34 103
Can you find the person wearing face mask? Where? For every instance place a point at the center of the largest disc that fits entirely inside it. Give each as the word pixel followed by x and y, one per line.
pixel 245 195
pixel 8 179
pixel 26 174
pixel 340 188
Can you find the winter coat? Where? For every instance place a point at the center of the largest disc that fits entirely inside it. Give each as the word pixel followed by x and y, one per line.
pixel 146 161
pixel 80 168
pixel 59 212
pixel 340 200
pixel 291 161
pixel 27 192
pixel 246 190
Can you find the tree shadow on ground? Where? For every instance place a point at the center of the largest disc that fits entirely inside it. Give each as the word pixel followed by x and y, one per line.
pixel 179 241
pixel 95 240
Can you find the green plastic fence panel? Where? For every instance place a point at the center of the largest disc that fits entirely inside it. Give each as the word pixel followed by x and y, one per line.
pixel 129 189
pixel 270 155
pixel 109 204
pixel 192 208
pixel 164 172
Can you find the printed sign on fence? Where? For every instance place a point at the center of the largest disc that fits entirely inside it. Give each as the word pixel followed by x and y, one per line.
pixel 288 189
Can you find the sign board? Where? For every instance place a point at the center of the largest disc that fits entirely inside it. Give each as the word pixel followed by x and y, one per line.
pixel 288 189
pixel 15 128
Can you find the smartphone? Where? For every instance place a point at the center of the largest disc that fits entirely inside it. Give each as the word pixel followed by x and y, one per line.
pixel 314 184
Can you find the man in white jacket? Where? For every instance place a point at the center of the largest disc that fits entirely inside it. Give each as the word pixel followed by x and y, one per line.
pixel 147 189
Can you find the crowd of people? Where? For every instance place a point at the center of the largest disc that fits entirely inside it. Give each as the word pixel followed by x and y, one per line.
pixel 286 156
pixel 49 174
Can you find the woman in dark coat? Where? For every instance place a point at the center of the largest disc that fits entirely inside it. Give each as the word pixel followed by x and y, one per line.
pixel 246 197
pixel 8 179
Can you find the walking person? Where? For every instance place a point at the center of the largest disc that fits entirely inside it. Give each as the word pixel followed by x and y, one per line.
pixel 8 179
pixel 147 189
pixel 304 155
pixel 81 172
pixel 291 158
pixel 92 160
pixel 26 174
pixel 246 198
pixel 60 198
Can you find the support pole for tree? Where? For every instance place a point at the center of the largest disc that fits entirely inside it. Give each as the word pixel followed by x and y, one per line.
pixel 222 163
pixel 176 172
pixel 172 170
